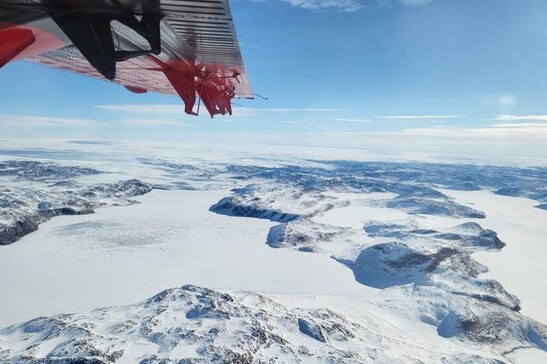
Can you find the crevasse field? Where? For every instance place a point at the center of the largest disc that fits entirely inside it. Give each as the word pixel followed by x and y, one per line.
pixel 164 253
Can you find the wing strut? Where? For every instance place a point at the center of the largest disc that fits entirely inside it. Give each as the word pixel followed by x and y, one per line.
pixel 88 25
pixel 184 84
pixel 217 99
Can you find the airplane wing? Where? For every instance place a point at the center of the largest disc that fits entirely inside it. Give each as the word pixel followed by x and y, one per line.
pixel 183 47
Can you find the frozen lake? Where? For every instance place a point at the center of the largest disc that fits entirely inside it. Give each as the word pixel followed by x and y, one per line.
pixel 122 255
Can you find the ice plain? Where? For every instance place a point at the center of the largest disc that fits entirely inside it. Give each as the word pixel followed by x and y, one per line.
pixel 344 233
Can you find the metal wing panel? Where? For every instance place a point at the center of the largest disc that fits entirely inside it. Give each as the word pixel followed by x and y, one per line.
pixel 193 34
pixel 137 73
pixel 207 29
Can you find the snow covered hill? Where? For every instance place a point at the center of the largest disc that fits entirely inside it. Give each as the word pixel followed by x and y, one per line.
pixel 198 325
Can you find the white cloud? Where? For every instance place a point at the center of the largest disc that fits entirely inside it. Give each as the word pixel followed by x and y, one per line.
pixel 346 5
pixel 153 122
pixel 519 125
pixel 354 120
pixel 42 121
pixel 341 5
pixel 415 2
pixel 521 118
pixel 512 132
pixel 293 109
pixel 173 109
pixel 294 122
pixel 420 117
pixel 144 109
pixel 381 119
pixel 166 109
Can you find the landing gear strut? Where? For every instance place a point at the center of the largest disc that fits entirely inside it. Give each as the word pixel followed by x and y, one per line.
pixel 88 25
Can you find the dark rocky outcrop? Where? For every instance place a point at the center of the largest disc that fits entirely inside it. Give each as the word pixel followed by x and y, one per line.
pixel 24 209
pixel 231 207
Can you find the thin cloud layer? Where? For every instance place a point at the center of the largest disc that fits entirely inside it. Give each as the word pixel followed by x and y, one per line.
pixel 178 109
pixel 42 121
pixel 415 2
pixel 354 120
pixel 144 109
pixel 346 5
pixel 521 118
pixel 340 5
pixel 153 122
pixel 409 118
pixel 512 132
pixel 519 125
pixel 296 109
pixel 420 117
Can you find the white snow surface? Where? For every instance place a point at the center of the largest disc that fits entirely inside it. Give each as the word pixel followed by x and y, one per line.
pixel 314 291
pixel 122 255
pixel 520 266
pixel 236 327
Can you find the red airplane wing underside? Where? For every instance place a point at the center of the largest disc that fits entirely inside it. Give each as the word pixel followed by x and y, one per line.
pixel 199 53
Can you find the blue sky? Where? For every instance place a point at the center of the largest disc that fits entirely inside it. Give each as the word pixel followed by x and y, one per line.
pixel 329 66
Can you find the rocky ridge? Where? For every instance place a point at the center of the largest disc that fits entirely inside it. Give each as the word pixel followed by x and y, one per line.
pixel 197 325
pixel 34 192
